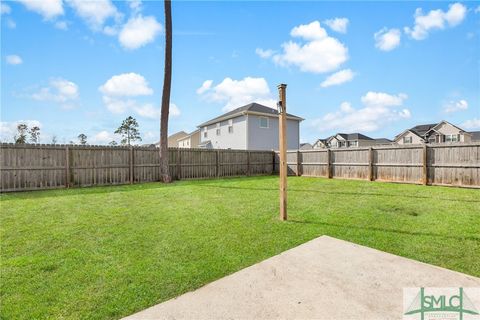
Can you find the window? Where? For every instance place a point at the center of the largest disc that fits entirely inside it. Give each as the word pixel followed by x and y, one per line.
pixel 230 126
pixel 218 129
pixel 452 138
pixel 407 139
pixel 353 143
pixel 263 122
pixel 205 134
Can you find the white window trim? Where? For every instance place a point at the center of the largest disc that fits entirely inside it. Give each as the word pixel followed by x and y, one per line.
pixel 260 122
pixel 405 140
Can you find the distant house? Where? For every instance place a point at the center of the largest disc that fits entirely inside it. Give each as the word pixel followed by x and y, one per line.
pixel 442 132
pixel 349 140
pixel 320 144
pixel 475 136
pixel 305 146
pixel 173 139
pixel 191 140
pixel 251 127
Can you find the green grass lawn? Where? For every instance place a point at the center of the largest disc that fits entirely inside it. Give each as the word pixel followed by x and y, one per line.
pixel 106 252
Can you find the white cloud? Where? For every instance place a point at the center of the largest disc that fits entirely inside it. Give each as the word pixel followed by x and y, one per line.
pixel 95 13
pixel 120 92
pixel 59 90
pixel 127 85
pixel 118 105
pixel 454 106
pixel 13 59
pixel 8 130
pixel 5 8
pixel 139 31
pixel 62 25
pixel 264 53
pixel 174 110
pixel 11 23
pixel 387 39
pixel 236 93
pixel 207 84
pixel 378 110
pixel 135 6
pixel 148 111
pixel 338 24
pixel 471 124
pixel 380 99
pixel 436 19
pixel 321 53
pixel 49 9
pixel 102 137
pixel 338 78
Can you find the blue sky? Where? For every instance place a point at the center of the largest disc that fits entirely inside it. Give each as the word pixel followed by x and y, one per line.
pixel 373 67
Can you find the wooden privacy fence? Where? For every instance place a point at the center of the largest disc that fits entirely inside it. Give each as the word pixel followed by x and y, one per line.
pixel 440 164
pixel 36 167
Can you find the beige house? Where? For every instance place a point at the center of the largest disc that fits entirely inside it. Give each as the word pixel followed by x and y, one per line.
pixel 191 140
pixel 442 132
pixel 320 144
pixel 173 139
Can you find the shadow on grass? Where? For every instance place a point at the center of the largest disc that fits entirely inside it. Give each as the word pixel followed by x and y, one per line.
pixel 405 232
pixel 212 183
pixel 346 193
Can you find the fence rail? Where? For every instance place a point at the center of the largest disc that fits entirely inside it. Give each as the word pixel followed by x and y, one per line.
pixel 36 167
pixel 436 164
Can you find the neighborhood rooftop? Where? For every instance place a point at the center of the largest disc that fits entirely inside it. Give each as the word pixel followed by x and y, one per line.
pixel 249 108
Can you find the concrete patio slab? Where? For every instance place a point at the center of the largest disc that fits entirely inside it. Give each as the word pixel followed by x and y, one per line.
pixel 325 278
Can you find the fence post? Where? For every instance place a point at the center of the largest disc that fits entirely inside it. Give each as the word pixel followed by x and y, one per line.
pixel 131 164
pixel 67 167
pixel 248 163
pixel 329 164
pixel 370 164
pixel 179 164
pixel 273 161
pixel 425 164
pixel 298 163
pixel 217 163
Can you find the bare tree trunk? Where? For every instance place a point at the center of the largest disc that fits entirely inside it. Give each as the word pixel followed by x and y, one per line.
pixel 167 83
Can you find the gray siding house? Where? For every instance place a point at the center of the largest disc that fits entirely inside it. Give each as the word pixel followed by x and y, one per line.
pixel 251 127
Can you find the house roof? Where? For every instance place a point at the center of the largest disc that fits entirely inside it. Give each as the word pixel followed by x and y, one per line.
pixel 383 140
pixel 475 135
pixel 305 146
pixel 353 136
pixel 249 108
pixel 175 136
pixel 446 122
pixel 422 129
pixel 189 135
pixel 324 141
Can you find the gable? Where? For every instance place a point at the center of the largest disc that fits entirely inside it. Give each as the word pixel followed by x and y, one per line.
pixel 406 133
pixel 445 127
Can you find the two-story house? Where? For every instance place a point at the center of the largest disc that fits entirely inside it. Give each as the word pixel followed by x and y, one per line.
pixel 251 127
pixel 442 132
